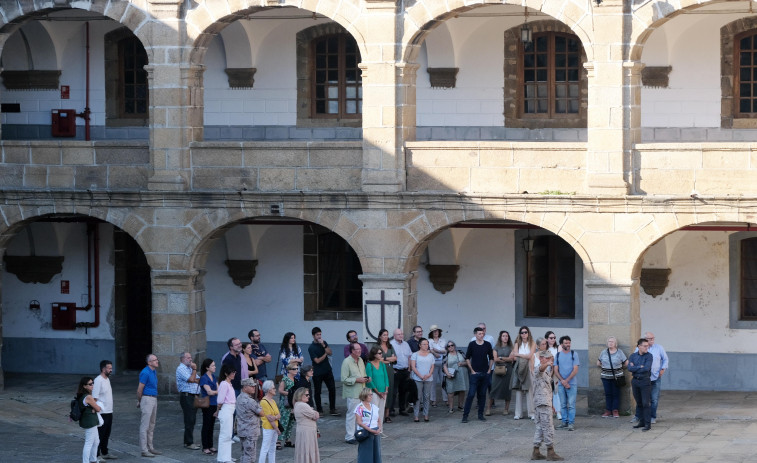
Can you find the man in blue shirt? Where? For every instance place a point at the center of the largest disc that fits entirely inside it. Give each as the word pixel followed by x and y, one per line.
pixel 147 401
pixel 567 368
pixel 659 366
pixel 640 366
pixel 187 383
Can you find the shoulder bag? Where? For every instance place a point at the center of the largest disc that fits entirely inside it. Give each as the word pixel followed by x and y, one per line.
pixel 620 380
pixel 202 402
pixel 362 434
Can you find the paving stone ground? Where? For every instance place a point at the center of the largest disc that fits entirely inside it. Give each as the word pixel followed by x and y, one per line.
pixel 693 427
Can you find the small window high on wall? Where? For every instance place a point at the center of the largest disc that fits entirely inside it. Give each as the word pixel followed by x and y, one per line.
pixel 337 79
pixel 551 76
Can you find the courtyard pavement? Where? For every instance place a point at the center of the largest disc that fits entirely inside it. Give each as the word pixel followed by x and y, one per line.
pixel 692 427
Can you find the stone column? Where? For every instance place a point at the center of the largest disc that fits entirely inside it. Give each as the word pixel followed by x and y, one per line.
pixel 613 311
pixel 389 301
pixel 608 151
pixel 178 321
pixel 383 152
pixel 175 99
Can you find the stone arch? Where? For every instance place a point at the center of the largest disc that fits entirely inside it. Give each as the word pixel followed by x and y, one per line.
pixel 650 16
pixel 425 15
pixel 209 18
pixel 122 11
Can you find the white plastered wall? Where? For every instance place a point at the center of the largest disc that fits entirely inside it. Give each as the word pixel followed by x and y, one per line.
pixel 692 314
pixel 70 241
pixel 484 291
pixel 693 96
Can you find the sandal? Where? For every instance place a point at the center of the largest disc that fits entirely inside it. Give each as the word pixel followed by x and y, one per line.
pixel 278 445
pixel 207 451
pixel 387 420
pixel 288 444
pixel 213 449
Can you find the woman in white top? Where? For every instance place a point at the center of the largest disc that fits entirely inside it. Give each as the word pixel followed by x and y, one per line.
pixel 422 372
pixel 437 345
pixel 553 347
pixel 368 417
pixel 523 374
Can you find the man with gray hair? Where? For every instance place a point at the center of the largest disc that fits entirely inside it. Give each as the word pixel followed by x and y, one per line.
pixel 187 384
pixel 147 402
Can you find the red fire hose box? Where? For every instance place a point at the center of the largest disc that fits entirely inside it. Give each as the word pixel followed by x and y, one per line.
pixel 64 122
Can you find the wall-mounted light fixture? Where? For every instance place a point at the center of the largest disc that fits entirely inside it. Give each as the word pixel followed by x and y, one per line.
pixel 525 31
pixel 528 243
pixel 34 305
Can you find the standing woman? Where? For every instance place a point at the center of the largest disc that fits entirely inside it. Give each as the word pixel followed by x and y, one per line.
pixel 367 417
pixel 389 358
pixel 307 428
pixel 454 365
pixel 612 361
pixel 554 347
pixel 89 420
pixel 501 379
pixel 523 354
pixel 422 372
pixel 227 402
pixel 379 380
pixel 252 368
pixel 436 344
pixel 270 423
pixel 290 353
pixel 285 388
pixel 208 388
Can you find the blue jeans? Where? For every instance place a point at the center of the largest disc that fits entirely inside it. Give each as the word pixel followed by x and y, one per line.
pixel 568 402
pixel 655 396
pixel 369 451
pixel 478 384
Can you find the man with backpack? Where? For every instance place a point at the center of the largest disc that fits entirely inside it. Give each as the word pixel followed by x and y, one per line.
pixel 567 365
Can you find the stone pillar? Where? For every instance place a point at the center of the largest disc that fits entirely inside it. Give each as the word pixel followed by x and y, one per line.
pixel 383 152
pixel 389 301
pixel 178 321
pixel 175 99
pixel 632 113
pixel 613 311
pixel 608 150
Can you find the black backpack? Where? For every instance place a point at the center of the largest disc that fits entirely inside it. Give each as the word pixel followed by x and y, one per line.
pixel 76 409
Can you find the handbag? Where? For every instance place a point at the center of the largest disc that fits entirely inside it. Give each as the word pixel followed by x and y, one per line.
pixel 620 381
pixel 277 379
pixel 362 434
pixel 201 402
pixel 500 370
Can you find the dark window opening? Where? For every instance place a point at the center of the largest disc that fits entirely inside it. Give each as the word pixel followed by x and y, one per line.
pixel 748 304
pixel 551 75
pixel 550 279
pixel 133 96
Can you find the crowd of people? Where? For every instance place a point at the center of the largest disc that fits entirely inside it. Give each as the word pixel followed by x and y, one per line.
pixel 393 377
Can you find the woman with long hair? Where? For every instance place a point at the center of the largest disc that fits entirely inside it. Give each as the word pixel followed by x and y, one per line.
pixel 501 379
pixel 227 402
pixel 251 366
pixel 422 372
pixel 554 347
pixel 89 419
pixel 389 358
pixel 290 353
pixel 286 387
pixel 523 355
pixel 208 388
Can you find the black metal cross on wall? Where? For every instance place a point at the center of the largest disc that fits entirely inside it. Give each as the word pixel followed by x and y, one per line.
pixel 382 303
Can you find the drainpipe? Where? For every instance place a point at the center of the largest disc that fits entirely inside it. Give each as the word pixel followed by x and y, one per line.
pixel 86 113
pixel 93 254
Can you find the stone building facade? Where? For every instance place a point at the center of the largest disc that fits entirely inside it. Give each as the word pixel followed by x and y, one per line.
pixel 617 139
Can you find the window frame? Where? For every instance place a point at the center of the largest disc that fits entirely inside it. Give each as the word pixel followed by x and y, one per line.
pixel 133 42
pixel 314 306
pixel 521 285
pixel 113 76
pixel 735 281
pixel 513 81
pixel 342 83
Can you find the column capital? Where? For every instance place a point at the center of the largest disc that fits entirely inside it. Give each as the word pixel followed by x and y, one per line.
pixel 385 280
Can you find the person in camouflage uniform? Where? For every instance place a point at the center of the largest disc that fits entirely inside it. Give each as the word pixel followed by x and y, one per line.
pixel 545 430
pixel 248 419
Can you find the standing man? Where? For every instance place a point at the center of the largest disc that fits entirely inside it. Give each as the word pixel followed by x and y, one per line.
pixel 415 340
pixel 352 339
pixel 640 365
pixel 147 401
pixel 103 393
pixel 480 356
pixel 260 354
pixel 188 383
pixel 353 381
pixel 234 359
pixel 248 412
pixel 566 371
pixel 401 371
pixel 659 365
pixel 320 352
pixel 545 431
pixel 487 337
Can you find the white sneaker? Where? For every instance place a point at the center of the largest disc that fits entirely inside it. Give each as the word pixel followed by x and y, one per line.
pixel 516 417
pixel 634 419
pixel 235 439
pixel 654 420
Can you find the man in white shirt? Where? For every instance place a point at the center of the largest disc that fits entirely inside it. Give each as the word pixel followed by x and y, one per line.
pixel 103 393
pixel 401 371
